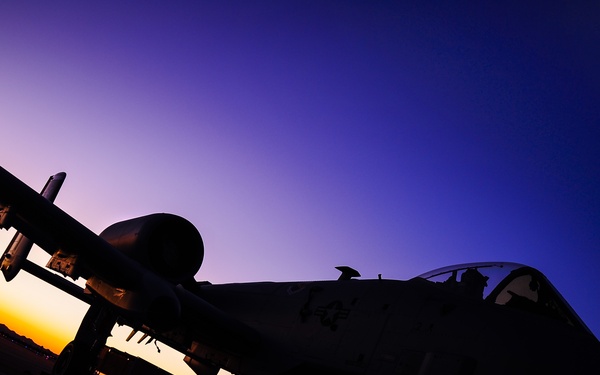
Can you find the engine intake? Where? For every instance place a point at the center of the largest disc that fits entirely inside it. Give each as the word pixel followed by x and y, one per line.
pixel 168 245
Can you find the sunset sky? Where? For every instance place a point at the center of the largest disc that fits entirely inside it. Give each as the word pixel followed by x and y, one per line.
pixel 393 137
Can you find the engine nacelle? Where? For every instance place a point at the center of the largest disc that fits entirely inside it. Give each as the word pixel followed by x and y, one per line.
pixel 166 244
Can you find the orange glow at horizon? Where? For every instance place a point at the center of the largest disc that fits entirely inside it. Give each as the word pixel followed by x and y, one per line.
pixel 51 318
pixel 40 332
pixel 38 310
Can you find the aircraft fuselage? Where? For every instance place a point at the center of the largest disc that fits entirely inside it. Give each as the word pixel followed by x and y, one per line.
pixel 394 327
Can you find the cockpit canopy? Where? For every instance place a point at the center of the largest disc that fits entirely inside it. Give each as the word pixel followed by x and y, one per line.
pixel 509 284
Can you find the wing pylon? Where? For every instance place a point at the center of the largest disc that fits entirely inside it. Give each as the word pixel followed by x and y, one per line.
pixel 18 249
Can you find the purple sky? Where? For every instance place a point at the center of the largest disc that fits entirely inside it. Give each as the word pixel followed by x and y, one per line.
pixel 300 135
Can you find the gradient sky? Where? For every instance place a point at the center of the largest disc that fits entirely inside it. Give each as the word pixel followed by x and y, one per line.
pixel 394 137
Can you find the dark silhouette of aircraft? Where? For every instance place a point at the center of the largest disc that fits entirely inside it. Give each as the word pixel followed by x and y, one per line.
pixel 484 318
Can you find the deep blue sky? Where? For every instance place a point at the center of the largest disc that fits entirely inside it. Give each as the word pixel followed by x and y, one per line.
pixel 394 137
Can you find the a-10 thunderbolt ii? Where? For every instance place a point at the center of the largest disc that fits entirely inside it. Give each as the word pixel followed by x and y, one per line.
pixel 484 318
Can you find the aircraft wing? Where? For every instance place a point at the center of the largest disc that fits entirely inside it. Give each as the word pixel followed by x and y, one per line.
pixel 54 230
pixel 136 265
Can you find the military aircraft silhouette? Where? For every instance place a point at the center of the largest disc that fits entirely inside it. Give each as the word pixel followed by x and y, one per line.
pixel 480 318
